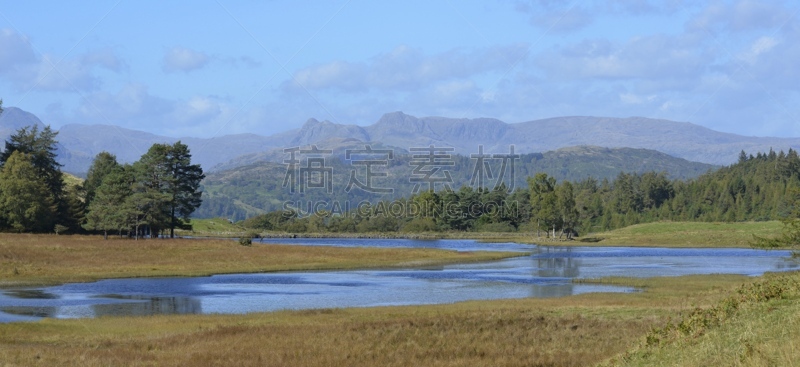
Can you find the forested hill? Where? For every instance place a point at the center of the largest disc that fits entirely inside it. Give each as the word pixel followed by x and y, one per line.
pixel 760 187
pixel 258 187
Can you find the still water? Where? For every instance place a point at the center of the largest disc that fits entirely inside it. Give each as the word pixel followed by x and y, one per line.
pixel 547 272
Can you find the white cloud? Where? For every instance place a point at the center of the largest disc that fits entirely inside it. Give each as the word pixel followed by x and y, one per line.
pixel 134 107
pixel 631 98
pixel 741 15
pixel 20 64
pixel 569 16
pixel 183 59
pixel 757 48
pixel 405 69
pixel 648 57
pixel 105 58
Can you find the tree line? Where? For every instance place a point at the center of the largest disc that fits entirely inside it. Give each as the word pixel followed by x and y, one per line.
pixel 155 194
pixel 158 192
pixel 756 188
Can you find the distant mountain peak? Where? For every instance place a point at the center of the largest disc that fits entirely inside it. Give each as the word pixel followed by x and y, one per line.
pixel 13 119
pixel 310 123
pixel 314 130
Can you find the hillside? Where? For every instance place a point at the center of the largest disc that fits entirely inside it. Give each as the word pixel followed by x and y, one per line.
pixel 257 187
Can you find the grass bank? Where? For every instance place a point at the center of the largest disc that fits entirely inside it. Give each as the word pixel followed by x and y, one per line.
pixel 666 234
pixel 50 259
pixel 686 234
pixel 659 234
pixel 757 325
pixel 570 331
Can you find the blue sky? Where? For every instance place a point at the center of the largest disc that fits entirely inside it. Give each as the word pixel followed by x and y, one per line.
pixel 210 68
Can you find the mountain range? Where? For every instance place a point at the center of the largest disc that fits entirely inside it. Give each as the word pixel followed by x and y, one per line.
pixel 80 143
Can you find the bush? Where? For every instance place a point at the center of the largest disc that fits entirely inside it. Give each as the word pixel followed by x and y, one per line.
pixel 247 238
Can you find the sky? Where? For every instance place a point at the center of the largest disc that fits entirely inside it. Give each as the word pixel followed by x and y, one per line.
pixel 212 68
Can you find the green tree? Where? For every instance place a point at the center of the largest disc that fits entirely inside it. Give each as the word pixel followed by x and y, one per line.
pixel 184 186
pixel 567 210
pixel 41 146
pixel 148 201
pixel 103 164
pixel 167 190
pixel 790 235
pixel 24 199
pixel 109 210
pixel 543 201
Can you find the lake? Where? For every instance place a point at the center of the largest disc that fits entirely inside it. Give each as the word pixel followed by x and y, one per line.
pixel 547 272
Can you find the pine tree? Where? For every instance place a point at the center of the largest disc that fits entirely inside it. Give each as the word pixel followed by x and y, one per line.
pixel 103 164
pixel 167 187
pixel 24 199
pixel 109 211
pixel 185 184
pixel 41 146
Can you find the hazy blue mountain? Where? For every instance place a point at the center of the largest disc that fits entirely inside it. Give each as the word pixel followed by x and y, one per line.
pixel 680 139
pixel 81 143
pixel 338 147
pixel 314 131
pixel 13 119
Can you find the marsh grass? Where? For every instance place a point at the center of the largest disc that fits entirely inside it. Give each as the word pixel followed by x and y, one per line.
pixel 50 259
pixel 571 331
pixel 757 325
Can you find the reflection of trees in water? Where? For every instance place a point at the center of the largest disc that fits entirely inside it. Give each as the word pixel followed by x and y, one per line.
pixel 46 311
pixel 552 261
pixel 149 306
pixel 789 263
pixel 30 294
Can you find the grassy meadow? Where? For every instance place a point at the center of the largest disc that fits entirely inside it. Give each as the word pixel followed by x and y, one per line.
pixel 212 227
pixel 571 331
pixel 686 234
pixel 658 234
pixel 50 259
pixel 689 321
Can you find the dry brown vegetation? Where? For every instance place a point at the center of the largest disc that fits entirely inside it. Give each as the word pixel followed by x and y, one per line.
pixel 47 259
pixel 571 331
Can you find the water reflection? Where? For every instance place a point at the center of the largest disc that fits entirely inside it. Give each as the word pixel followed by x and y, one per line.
pixel 552 261
pixel 148 306
pixel 547 272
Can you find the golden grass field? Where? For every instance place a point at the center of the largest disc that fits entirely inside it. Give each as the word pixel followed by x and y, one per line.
pixel 48 259
pixel 583 330
pixel 571 331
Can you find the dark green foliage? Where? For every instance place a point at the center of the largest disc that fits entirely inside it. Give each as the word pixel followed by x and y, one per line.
pixel 183 186
pixel 764 187
pixel 790 235
pixel 41 146
pixel 157 192
pixel 39 150
pixel 166 189
pixel 110 210
pixel 25 203
pixel 103 164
